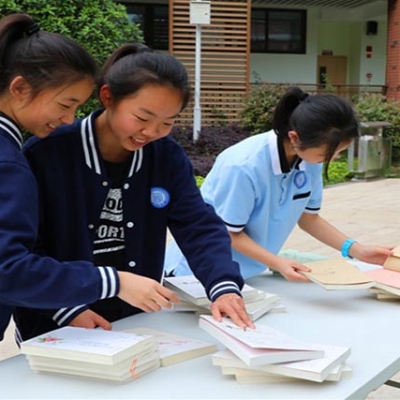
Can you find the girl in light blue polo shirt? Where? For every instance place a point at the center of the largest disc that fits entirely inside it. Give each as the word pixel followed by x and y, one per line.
pixel 266 184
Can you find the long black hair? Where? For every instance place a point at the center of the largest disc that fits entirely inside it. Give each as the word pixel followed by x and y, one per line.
pixel 45 60
pixel 321 119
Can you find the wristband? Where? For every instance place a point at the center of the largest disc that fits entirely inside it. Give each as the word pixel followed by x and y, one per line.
pixel 346 247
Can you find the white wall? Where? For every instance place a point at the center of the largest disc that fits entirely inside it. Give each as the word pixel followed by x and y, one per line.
pixel 346 36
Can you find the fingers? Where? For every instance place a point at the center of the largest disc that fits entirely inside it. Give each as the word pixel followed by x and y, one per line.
pixel 301 267
pixel 101 322
pixel 232 306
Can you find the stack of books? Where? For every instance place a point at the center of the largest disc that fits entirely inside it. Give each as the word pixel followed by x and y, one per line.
pixel 387 279
pixel 193 297
pixel 93 353
pixel 265 354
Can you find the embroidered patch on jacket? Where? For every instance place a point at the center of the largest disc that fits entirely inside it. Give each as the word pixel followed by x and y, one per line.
pixel 300 179
pixel 159 197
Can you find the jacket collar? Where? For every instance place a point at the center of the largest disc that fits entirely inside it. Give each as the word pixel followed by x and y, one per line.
pixel 92 152
pixel 9 126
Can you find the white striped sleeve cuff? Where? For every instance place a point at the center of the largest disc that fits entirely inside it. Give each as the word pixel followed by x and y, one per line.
pixel 222 288
pixel 110 282
pixel 64 315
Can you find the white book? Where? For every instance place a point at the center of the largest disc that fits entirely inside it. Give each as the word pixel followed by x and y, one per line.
pixel 135 372
pixel 174 348
pixel 256 309
pixel 247 375
pixel 316 370
pixel 263 345
pixel 90 345
pixel 76 367
pixel 190 288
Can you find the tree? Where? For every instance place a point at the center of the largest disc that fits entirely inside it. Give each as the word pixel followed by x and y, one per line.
pixel 98 25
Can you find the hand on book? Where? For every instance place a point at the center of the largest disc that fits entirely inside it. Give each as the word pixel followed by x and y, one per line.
pixel 371 254
pixel 289 269
pixel 89 319
pixel 231 305
pixel 145 293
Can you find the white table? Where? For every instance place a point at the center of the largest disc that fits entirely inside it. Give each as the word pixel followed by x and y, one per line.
pixel 348 318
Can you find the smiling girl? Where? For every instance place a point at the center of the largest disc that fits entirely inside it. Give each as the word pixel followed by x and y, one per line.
pixel 44 78
pixel 112 183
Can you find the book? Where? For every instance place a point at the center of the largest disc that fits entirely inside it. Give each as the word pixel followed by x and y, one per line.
pixel 388 278
pixel 190 288
pixel 317 370
pixel 256 309
pixel 174 348
pixel 263 345
pixel 193 297
pixel 382 294
pixel 121 372
pixel 94 345
pixel 337 274
pixel 247 376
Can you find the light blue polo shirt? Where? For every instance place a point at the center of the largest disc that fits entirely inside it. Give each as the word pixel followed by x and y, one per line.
pixel 253 189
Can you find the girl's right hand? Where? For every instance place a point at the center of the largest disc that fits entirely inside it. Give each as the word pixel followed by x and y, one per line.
pixel 289 269
pixel 145 293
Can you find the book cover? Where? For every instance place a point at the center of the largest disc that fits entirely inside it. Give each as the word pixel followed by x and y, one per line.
pixel 263 345
pixel 190 288
pixel 174 348
pixel 80 344
pixel 337 274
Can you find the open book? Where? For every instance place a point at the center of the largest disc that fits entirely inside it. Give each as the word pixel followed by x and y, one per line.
pixel 260 346
pixel 174 348
pixel 337 274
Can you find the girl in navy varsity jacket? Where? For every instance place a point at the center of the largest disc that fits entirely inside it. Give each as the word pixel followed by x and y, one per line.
pixel 44 78
pixel 112 183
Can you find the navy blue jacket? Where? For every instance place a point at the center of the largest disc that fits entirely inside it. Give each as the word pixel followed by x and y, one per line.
pixel 159 192
pixel 27 279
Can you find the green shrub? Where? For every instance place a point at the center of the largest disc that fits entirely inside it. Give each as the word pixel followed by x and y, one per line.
pixel 257 113
pixel 338 173
pixel 199 180
pixel 100 26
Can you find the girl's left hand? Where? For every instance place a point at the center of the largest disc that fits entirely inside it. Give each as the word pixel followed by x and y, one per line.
pixel 231 305
pixel 371 254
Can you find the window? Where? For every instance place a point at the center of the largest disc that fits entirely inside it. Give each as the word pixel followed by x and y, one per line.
pixel 153 20
pixel 278 31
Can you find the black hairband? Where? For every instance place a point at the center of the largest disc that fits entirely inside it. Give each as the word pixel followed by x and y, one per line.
pixel 303 97
pixel 32 29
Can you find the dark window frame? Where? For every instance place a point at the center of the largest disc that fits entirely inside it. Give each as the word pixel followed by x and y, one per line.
pixel 263 45
pixel 149 16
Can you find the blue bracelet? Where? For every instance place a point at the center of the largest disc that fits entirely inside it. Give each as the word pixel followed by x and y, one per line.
pixel 346 247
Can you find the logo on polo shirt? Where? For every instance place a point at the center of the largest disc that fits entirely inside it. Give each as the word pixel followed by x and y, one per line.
pixel 300 179
pixel 159 197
